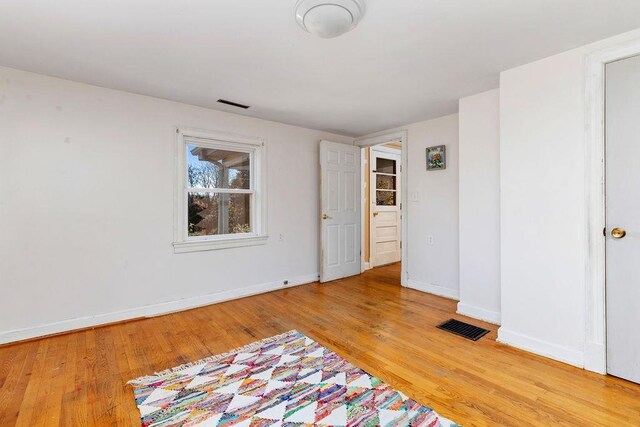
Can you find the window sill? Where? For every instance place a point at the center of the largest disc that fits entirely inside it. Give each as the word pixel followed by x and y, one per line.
pixel 212 245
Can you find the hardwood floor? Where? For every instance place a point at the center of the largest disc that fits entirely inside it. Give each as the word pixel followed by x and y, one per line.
pixel 80 378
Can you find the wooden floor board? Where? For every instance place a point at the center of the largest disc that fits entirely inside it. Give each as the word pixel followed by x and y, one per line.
pixel 79 379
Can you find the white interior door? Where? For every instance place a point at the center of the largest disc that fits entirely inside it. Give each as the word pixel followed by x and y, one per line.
pixel 623 218
pixel 340 214
pixel 385 212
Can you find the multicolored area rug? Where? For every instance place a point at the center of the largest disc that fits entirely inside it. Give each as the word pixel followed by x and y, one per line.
pixel 287 380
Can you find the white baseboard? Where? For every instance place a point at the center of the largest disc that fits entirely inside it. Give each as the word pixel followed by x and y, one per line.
pixel 441 291
pixel 540 347
pixel 595 358
pixel 479 313
pixel 150 310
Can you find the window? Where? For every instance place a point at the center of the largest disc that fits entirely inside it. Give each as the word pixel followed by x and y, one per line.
pixel 385 182
pixel 220 191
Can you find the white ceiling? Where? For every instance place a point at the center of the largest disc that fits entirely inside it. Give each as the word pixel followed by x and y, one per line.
pixel 408 60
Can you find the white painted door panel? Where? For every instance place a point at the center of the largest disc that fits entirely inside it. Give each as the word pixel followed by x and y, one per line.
pixel 385 217
pixel 623 211
pixel 340 211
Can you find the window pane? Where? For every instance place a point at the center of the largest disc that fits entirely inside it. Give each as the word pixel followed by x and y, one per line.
pixel 213 168
pixel 385 182
pixel 211 214
pixel 385 198
pixel 385 165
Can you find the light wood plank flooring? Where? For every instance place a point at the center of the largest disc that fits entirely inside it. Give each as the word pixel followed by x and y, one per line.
pixel 80 378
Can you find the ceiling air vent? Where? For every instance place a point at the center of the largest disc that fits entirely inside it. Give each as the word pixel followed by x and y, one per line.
pixel 233 104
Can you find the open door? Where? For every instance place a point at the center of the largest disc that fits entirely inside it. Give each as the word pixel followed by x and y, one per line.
pixel 340 211
pixel 623 218
pixel 386 204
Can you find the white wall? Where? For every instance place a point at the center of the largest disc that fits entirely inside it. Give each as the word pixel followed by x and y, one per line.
pixel 542 147
pixel 480 206
pixel 433 268
pixel 86 202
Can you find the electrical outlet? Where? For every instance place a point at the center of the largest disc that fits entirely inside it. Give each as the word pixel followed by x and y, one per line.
pixel 281 237
pixel 286 282
pixel 430 239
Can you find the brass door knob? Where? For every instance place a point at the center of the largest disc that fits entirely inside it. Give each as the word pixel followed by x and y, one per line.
pixel 618 233
pixel 375 214
pixel 325 216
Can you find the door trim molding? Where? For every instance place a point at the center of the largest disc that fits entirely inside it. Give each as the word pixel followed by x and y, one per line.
pixel 381 138
pixel 364 170
pixel 595 349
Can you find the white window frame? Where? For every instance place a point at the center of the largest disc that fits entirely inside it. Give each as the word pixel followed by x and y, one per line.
pixel 256 147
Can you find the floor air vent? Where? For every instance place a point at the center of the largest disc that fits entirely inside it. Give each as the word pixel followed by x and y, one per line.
pixel 463 329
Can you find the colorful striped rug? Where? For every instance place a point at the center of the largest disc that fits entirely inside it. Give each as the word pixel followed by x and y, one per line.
pixel 287 380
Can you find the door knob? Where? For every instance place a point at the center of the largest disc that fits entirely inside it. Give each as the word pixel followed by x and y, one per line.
pixel 375 214
pixel 618 233
pixel 325 216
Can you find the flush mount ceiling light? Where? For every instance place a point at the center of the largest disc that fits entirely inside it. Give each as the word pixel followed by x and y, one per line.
pixel 329 18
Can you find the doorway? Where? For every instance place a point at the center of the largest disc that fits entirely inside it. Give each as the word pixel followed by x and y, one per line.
pixel 622 186
pixel 342 240
pixel 384 184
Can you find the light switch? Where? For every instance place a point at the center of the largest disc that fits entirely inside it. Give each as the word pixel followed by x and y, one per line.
pixel 414 196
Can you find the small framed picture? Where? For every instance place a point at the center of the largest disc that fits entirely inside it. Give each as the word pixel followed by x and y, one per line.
pixel 436 158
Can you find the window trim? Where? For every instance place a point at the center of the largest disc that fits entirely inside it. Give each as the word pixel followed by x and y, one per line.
pixel 257 148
